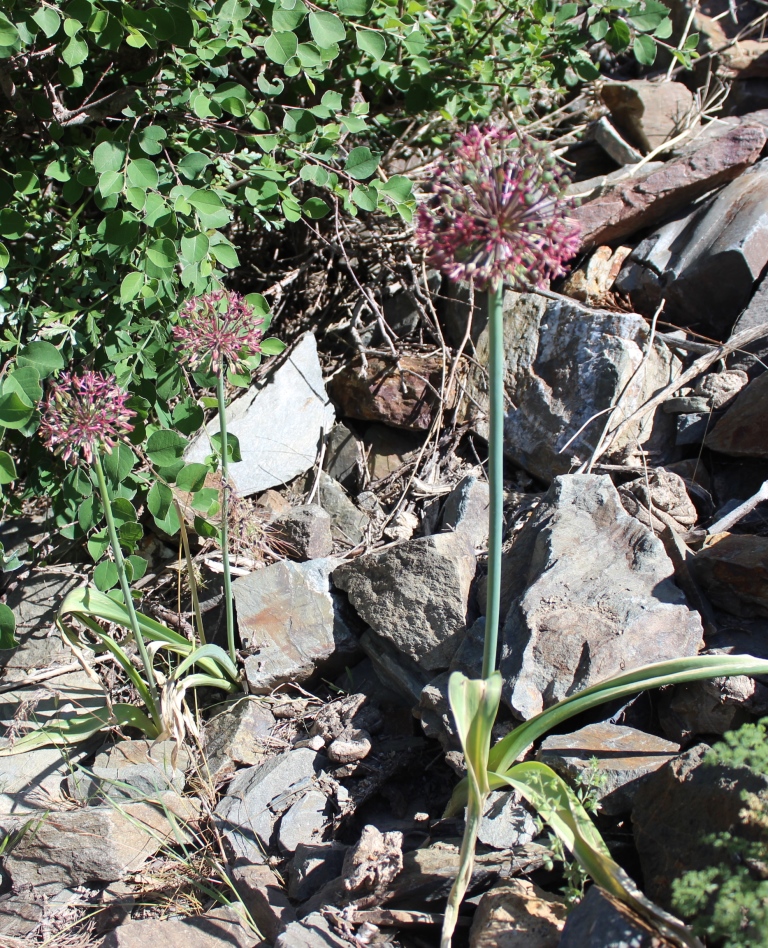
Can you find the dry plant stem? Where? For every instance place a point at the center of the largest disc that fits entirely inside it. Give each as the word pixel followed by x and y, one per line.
pixel 228 605
pixel 462 880
pixel 700 365
pixel 125 586
pixel 725 523
pixel 495 475
pixel 191 573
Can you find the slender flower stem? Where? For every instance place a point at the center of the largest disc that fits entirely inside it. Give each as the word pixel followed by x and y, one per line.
pixel 124 585
pixel 495 476
pixel 228 605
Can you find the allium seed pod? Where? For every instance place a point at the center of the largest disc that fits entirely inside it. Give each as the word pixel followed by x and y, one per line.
pixel 498 213
pixel 219 328
pixel 83 414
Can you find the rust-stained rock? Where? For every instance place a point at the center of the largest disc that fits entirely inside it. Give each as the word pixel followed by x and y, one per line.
pixel 639 202
pixel 518 915
pixel 592 282
pixel 733 572
pixel 741 431
pixel 623 757
pixel 746 59
pixel 402 394
pixel 648 113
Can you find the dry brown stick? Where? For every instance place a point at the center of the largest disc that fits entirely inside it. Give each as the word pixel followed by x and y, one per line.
pixel 738 341
pixel 725 523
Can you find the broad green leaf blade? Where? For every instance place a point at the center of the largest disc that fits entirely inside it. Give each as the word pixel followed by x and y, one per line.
pixel 558 805
pixel 214 652
pixel 87 602
pixel 475 703
pixel 676 671
pixel 7 468
pixel 7 627
pixel 80 728
pixel 655 675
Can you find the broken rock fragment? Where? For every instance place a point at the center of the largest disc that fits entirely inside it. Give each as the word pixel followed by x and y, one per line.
pixel 416 595
pixel 648 113
pixel 590 593
pixel 565 366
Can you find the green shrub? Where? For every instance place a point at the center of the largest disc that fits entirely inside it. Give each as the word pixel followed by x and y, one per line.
pixel 728 902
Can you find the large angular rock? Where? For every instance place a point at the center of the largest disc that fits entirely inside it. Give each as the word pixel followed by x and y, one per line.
pixel 288 622
pixel 221 927
pixel 518 915
pixel 648 113
pixel 709 282
pixel 590 593
pixel 132 770
pixel 416 595
pixel 677 810
pixel 638 202
pixel 733 573
pixel 279 422
pixel 402 394
pixel 602 921
pixel 237 734
pixel 257 795
pixel 622 758
pixel 564 365
pixel 755 314
pixel 93 844
pixel 741 431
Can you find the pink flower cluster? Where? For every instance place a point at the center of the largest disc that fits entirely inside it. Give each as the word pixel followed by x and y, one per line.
pixel 498 214
pixel 219 328
pixel 85 413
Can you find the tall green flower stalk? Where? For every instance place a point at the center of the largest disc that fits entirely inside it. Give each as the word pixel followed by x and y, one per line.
pixel 498 215
pixel 85 416
pixel 218 332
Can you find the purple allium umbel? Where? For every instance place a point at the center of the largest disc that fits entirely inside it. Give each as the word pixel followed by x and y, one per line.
pixel 218 329
pixel 498 213
pixel 84 414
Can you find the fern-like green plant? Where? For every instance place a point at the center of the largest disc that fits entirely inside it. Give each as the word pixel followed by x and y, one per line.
pixel 728 902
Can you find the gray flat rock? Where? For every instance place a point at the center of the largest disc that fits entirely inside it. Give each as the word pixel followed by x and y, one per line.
pixel 279 422
pixel 288 622
pixel 590 593
pixel 255 796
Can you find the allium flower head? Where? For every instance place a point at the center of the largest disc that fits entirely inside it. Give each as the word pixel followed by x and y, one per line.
pixel 498 213
pixel 219 328
pixel 85 413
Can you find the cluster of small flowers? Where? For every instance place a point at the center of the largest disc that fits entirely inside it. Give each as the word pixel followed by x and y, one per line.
pixel 498 213
pixel 220 327
pixel 83 413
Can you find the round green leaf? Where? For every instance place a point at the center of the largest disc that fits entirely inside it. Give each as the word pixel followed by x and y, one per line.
pixel 226 256
pixel 354 7
pixel 193 165
pixel 150 138
pixel 194 248
pixel 644 48
pixel 191 477
pixel 108 156
pixel 281 46
pixel 48 20
pixel 7 468
pixel 7 627
pixel 9 35
pixel 361 163
pixel 74 52
pixel 372 43
pixel 26 381
pixel 110 182
pixel 165 446
pixel 142 173
pixel 105 576
pixel 12 224
pixel 205 201
pixel 315 208
pixel 43 356
pixel 5 257
pixel 130 286
pixel 162 253
pixel 365 197
pixel 326 29
pixel 159 499
pixel 15 410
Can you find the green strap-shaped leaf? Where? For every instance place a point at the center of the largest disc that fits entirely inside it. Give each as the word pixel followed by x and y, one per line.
pixel 77 729
pixel 558 805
